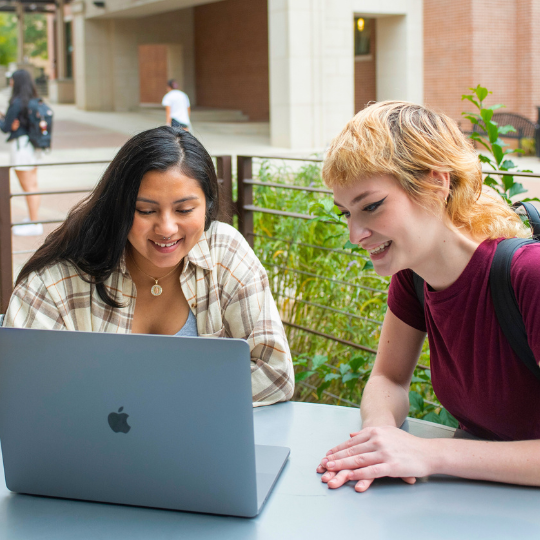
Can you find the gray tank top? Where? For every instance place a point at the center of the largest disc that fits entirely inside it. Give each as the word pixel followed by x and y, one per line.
pixel 190 327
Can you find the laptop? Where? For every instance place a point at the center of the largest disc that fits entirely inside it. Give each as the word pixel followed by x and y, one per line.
pixel 143 420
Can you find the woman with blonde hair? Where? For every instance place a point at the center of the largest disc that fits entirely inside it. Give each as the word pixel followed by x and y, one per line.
pixel 410 187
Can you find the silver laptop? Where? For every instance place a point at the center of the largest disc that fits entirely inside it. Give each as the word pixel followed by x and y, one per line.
pixel 157 421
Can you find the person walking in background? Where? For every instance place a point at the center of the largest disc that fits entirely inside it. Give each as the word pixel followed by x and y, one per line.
pixel 177 106
pixel 22 153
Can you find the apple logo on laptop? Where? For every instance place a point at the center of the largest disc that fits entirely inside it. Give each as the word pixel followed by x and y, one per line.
pixel 118 422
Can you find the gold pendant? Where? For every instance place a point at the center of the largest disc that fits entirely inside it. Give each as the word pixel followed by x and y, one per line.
pixel 156 289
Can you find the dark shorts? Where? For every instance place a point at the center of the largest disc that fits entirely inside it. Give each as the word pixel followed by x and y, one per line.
pixel 177 124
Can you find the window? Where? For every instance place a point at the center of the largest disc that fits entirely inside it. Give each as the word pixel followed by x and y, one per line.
pixel 362 36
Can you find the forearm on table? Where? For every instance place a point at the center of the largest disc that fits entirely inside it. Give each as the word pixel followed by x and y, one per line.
pixel 515 462
pixel 384 403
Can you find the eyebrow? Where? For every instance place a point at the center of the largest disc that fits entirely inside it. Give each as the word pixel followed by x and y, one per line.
pixel 357 199
pixel 192 198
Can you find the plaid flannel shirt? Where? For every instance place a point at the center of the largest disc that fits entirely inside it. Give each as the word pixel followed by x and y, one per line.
pixel 223 281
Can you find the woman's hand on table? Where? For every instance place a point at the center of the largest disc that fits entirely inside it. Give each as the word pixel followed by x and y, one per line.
pixel 376 452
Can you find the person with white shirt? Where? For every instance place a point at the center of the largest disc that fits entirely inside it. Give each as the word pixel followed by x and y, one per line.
pixel 177 106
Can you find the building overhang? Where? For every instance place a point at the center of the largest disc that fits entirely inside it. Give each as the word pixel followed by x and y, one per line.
pixel 125 9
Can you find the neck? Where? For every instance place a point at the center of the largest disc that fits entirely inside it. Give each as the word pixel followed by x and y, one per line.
pixel 141 268
pixel 450 253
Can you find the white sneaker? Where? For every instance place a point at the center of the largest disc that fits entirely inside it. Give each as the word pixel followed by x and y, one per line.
pixel 32 229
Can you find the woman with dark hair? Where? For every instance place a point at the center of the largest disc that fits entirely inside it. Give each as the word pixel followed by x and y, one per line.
pixel 23 156
pixel 143 253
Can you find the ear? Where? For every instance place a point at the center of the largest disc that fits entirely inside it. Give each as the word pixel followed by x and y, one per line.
pixel 443 179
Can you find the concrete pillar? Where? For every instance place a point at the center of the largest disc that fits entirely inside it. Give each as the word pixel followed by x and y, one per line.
pixel 311 71
pixel 400 67
pixel 60 41
pixel 20 32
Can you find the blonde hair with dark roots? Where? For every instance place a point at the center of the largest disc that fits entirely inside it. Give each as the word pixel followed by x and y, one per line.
pixel 409 141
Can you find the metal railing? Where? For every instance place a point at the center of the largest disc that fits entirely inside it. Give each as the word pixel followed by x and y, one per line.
pixel 227 210
pixel 248 207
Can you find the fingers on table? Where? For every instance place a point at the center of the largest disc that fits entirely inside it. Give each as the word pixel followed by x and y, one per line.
pixel 340 478
pixel 360 437
pixel 357 461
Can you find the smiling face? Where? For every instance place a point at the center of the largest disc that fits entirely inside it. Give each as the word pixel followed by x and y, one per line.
pixel 169 220
pixel 396 231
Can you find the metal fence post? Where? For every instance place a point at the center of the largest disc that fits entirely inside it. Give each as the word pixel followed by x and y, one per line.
pixel 224 173
pixel 245 197
pixel 6 264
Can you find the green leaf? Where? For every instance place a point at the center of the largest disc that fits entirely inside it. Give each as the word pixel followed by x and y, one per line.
pixel 471 99
pixel 481 92
pixel 368 266
pixel 497 152
pixel 506 129
pixel 507 164
pixel 349 377
pixel 491 182
pixel 319 360
pixel 331 376
pixel 485 159
pixel 416 401
pixel 495 107
pixel 303 375
pixel 356 362
pixel 508 182
pixel 472 117
pixel 493 131
pixel 516 189
pixel 448 419
pixel 322 387
pixel 487 114
pixel 350 245
pixel 432 417
pixel 344 368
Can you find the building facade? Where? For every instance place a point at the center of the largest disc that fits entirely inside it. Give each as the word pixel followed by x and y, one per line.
pixel 305 66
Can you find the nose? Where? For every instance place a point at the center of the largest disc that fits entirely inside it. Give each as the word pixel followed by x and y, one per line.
pixel 357 232
pixel 166 226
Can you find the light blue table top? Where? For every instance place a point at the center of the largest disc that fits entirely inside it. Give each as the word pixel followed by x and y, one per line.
pixel 301 507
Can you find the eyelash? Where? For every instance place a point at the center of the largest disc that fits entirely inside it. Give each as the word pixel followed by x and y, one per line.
pixel 144 213
pixel 373 206
pixel 369 208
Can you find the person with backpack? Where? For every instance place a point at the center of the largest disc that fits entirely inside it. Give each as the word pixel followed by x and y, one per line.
pixel 410 186
pixel 23 155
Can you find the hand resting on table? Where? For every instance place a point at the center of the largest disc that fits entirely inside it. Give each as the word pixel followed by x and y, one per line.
pixel 375 452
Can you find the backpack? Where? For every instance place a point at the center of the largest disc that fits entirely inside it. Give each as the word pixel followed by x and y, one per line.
pixel 502 292
pixel 40 120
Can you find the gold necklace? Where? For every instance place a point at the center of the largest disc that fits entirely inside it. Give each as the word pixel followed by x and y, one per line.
pixel 156 289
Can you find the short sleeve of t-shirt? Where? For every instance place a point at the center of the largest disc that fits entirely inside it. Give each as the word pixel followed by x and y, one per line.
pixel 403 302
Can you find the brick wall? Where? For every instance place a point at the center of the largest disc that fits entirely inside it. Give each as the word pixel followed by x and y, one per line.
pixel 231 56
pixel 487 42
pixel 365 75
pixel 152 73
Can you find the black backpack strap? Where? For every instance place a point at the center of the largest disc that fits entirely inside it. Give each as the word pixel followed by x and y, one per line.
pixel 505 303
pixel 532 215
pixel 418 287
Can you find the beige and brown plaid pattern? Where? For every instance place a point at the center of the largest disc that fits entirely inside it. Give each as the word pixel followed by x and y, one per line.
pixel 224 282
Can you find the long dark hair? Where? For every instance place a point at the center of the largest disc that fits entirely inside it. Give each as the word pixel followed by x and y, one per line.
pixel 24 89
pixel 94 235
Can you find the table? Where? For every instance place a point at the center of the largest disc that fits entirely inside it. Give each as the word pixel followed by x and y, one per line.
pixel 300 506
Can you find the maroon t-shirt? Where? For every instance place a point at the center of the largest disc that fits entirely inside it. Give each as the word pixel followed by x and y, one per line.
pixel 475 373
